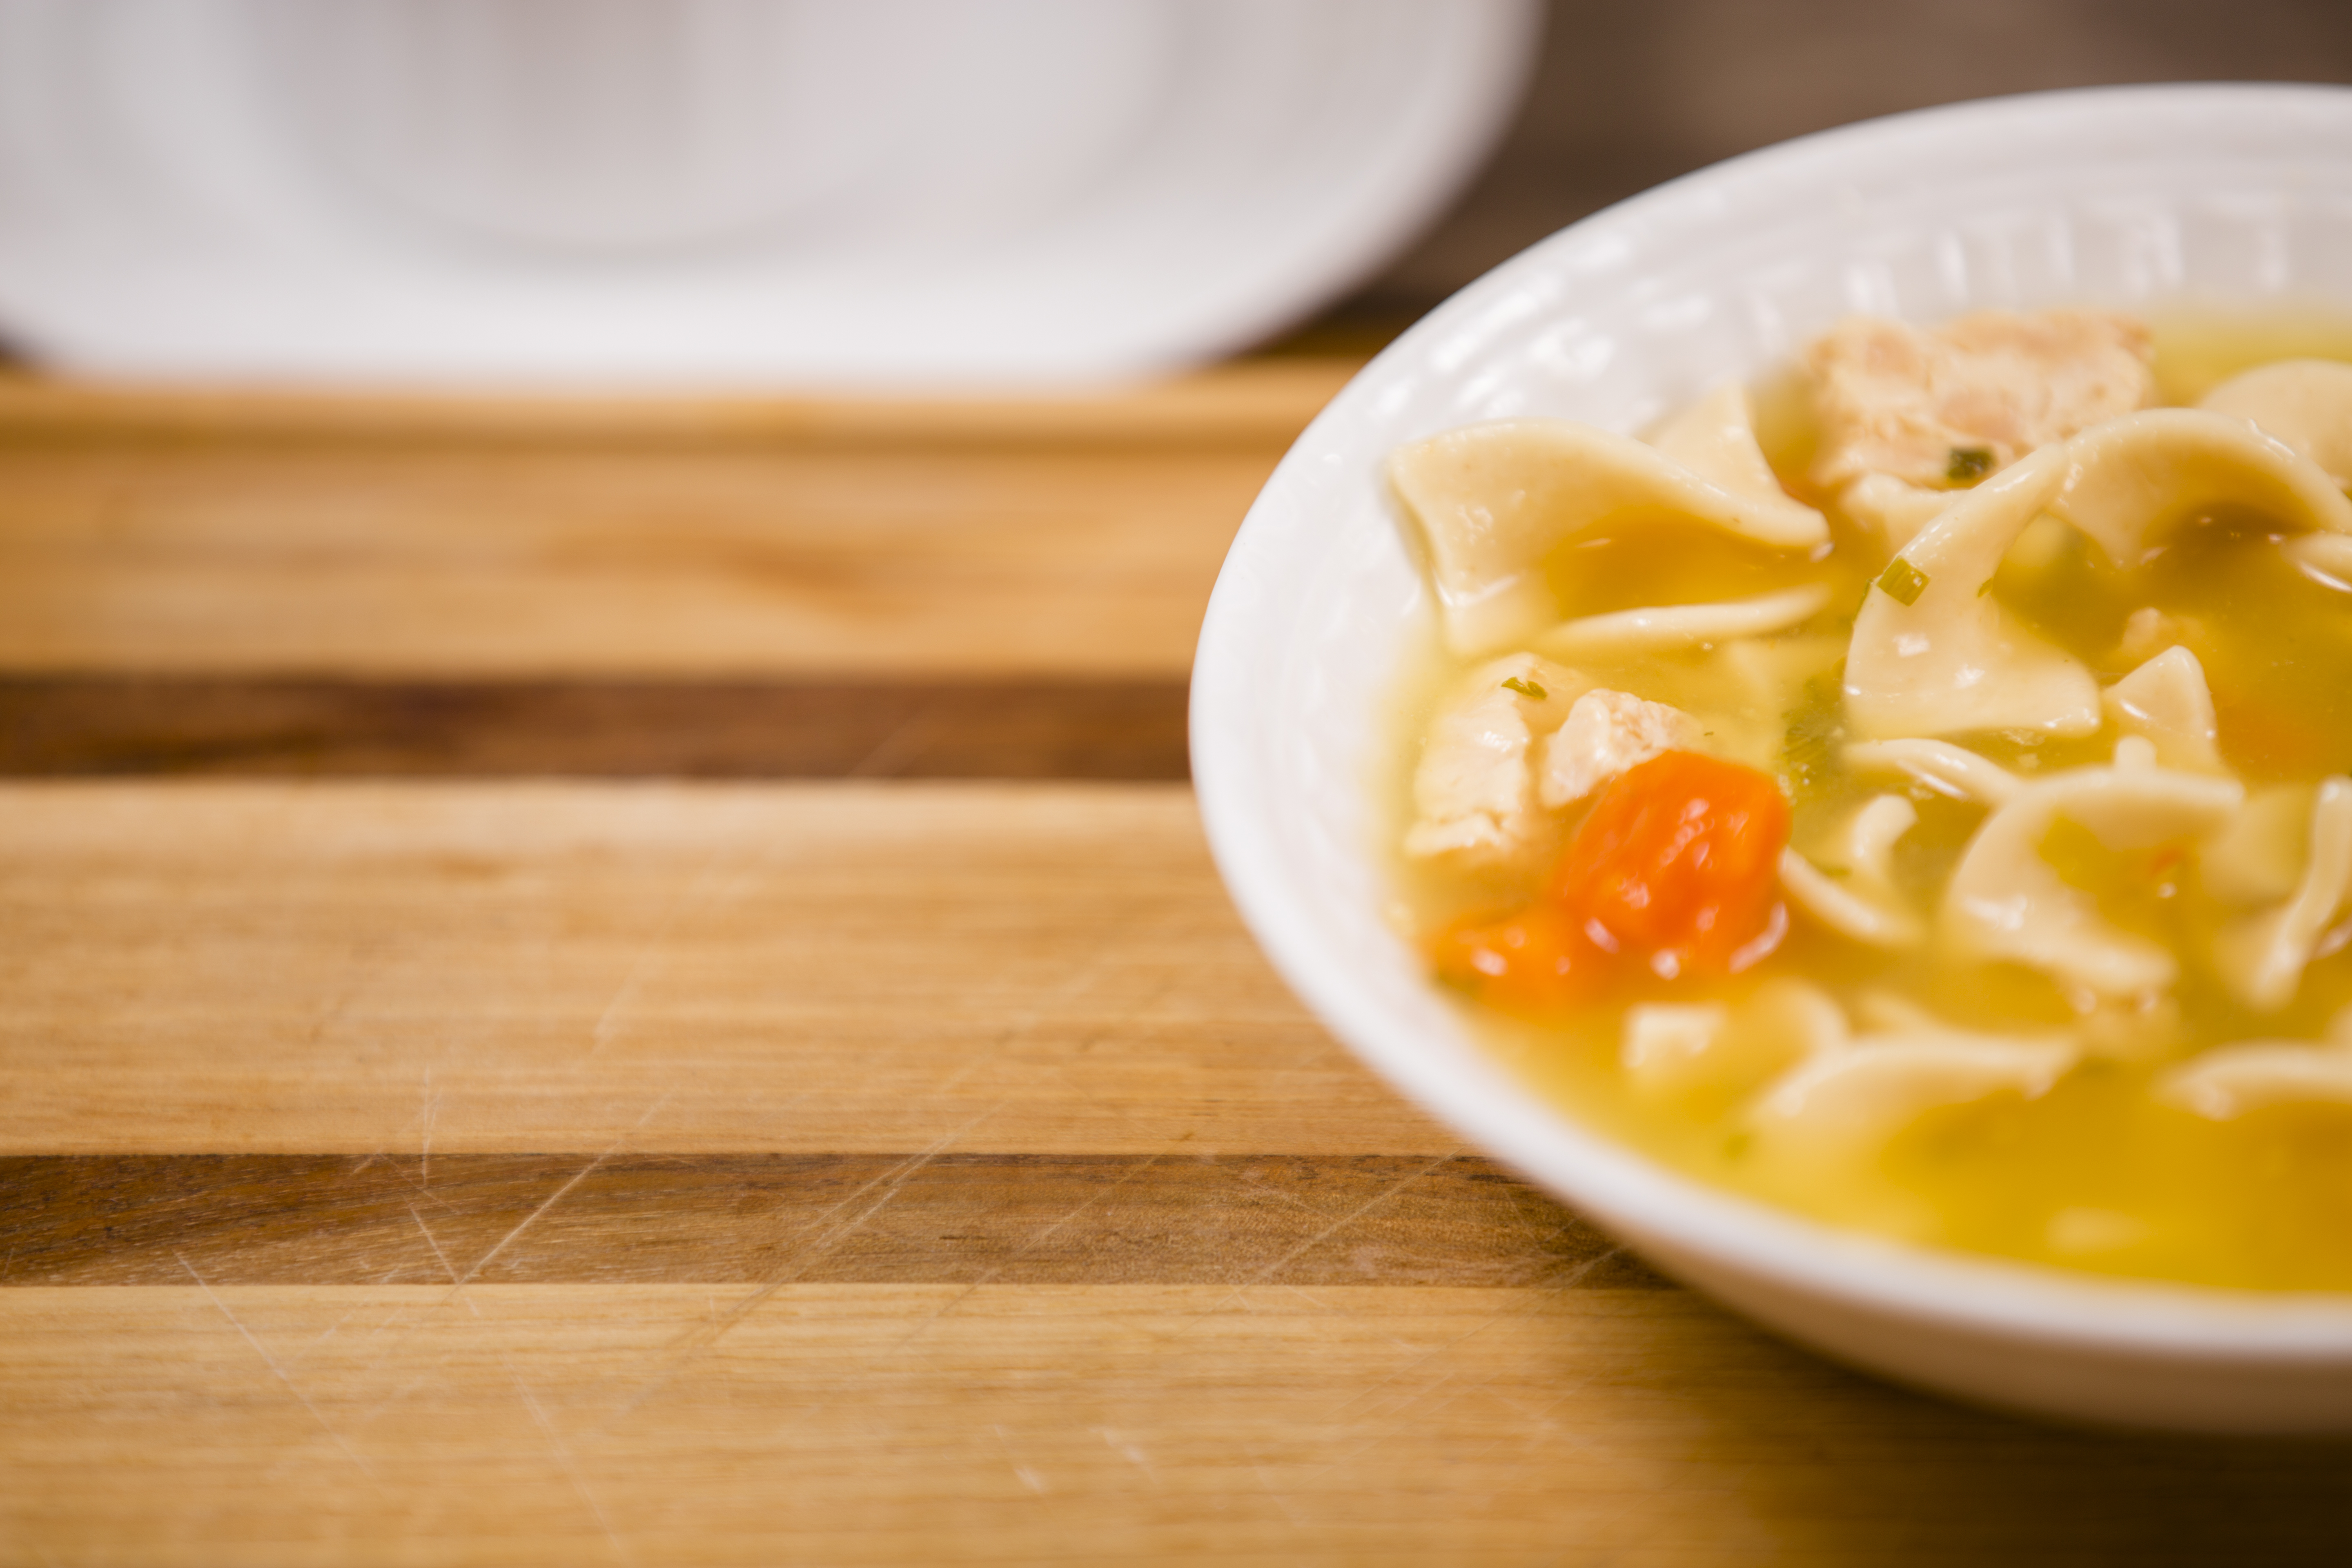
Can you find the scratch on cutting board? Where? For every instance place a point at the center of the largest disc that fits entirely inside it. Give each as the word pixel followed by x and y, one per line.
pixel 425 1111
pixel 1478 1454
pixel 1317 1302
pixel 563 1454
pixel 1088 967
pixel 442 1258
pixel 1034 1241
pixel 1417 1401
pixel 702 1339
pixel 332 1329
pixel 530 1402
pixel 428 1105
pixel 279 1372
pixel 557 1196
pixel 1020 1028
pixel 400 1313
pixel 1328 1231
pixel 695 892
pixel 895 748
pixel 571 1465
pixel 1265 1484
pixel 1131 1452
pixel 1523 1308
pixel 896 1178
pixel 1249 1178
pixel 1029 1477
pixel 1518 1308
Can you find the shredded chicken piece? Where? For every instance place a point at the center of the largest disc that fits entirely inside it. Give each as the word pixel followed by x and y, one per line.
pixel 1606 732
pixel 1895 399
pixel 1472 792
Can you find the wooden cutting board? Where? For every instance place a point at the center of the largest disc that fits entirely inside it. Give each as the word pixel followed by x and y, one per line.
pixel 589 982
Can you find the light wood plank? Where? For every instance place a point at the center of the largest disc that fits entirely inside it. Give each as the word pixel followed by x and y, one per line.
pixel 627 540
pixel 835 1423
pixel 1268 397
pixel 352 968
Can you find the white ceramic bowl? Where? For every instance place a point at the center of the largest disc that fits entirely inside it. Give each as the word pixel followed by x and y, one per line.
pixel 2131 197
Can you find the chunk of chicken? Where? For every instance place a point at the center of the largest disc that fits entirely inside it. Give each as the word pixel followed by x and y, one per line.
pixel 1473 791
pixel 1606 732
pixel 1941 406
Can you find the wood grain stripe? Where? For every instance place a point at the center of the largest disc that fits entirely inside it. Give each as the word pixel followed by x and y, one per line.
pixel 1262 400
pixel 99 725
pixel 867 1219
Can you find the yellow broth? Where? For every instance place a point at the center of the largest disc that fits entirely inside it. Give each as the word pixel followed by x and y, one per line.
pixel 2097 1173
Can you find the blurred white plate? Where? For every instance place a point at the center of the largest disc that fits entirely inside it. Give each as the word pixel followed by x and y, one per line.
pixel 713 192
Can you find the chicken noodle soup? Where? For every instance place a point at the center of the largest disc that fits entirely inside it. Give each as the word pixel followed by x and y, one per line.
pixel 1933 813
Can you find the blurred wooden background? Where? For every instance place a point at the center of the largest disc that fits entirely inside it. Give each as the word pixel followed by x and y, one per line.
pixel 1628 95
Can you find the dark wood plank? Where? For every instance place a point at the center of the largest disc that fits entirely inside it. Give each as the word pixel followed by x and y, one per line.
pixel 95 725
pixel 895 1219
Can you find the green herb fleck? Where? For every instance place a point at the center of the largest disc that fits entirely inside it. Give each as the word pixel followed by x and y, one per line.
pixel 1735 1146
pixel 1812 746
pixel 1969 464
pixel 1525 688
pixel 1903 582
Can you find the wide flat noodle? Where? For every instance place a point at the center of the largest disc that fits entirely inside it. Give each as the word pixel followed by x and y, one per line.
pixel 1953 659
pixel 2231 1080
pixel 1678 1051
pixel 1861 900
pixel 1683 626
pixel 1493 500
pixel 2167 702
pixel 1715 440
pixel 2004 902
pixel 2305 402
pixel 2261 959
pixel 1892 509
pixel 2324 558
pixel 1882 1083
pixel 1951 771
pixel 2258 858
pixel 1668 1048
pixel 2129 478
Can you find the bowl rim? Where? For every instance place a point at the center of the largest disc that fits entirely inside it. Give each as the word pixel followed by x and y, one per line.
pixel 1676 1214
